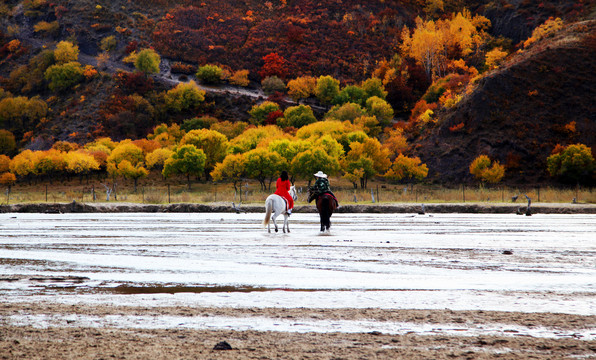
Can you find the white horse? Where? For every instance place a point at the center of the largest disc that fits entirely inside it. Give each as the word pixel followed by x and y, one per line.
pixel 276 205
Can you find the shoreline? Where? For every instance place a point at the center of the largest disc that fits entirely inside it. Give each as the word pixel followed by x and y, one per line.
pixel 389 208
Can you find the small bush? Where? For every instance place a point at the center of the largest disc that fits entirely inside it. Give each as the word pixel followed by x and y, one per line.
pixel 109 43
pixel 273 84
pixel 210 74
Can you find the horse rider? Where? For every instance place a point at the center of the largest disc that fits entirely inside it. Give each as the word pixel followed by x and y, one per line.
pixel 321 187
pixel 283 185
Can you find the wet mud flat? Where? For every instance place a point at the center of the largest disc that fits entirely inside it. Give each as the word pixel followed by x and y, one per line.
pixel 71 340
pixel 379 286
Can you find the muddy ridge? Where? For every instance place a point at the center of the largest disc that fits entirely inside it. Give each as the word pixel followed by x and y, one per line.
pixel 471 208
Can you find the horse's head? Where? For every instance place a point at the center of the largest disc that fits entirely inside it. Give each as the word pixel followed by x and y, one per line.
pixel 293 192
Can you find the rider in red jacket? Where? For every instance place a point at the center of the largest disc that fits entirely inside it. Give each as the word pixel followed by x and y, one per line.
pixel 283 185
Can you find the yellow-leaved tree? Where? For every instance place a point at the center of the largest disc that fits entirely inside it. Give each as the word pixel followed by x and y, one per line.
pixel 81 163
pixel 434 44
pixel 233 168
pixel 486 170
pixel 214 144
pixel 406 169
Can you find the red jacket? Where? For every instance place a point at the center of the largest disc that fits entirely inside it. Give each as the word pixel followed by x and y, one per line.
pixel 283 186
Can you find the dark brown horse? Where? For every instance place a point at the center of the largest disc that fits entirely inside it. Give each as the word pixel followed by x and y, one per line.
pixel 326 204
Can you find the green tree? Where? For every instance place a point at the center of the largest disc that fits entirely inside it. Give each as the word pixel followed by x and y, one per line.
pixel 210 74
pixel 308 162
pixel 232 168
pixel 288 149
pixel 358 169
pixel 184 97
pixel 330 145
pixel 571 163
pixel 298 116
pixel 262 164
pixel 64 76
pixel 350 94
pixel 214 144
pixel 186 160
pixel 374 87
pixel 259 112
pixel 203 122
pixel 380 109
pixel 147 61
pixel 346 112
pixel 326 89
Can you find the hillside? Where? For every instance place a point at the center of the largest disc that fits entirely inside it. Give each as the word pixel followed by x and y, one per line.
pixel 518 113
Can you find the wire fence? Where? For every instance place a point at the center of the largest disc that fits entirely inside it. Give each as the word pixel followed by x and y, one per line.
pixel 252 193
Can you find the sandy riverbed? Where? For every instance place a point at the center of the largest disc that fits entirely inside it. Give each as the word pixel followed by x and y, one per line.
pixel 71 341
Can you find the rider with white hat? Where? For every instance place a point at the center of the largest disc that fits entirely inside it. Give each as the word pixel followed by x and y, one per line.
pixel 321 186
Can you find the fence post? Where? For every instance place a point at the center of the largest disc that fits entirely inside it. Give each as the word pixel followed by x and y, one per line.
pixel 463 192
pixel 169 201
pixel 143 194
pixel 538 191
pixel 378 200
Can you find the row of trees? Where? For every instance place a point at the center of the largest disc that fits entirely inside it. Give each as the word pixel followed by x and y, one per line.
pixel 260 153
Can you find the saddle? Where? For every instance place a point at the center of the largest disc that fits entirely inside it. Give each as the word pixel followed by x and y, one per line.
pixel 312 195
pixel 285 201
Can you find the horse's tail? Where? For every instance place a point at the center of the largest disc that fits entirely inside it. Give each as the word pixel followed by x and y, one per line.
pixel 268 211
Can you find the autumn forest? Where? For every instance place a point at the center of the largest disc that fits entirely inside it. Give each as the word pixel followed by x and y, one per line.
pixel 417 91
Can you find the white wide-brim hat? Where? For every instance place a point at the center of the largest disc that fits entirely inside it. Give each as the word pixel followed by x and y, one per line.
pixel 321 174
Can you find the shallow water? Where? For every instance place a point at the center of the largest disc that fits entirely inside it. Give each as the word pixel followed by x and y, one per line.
pixel 542 263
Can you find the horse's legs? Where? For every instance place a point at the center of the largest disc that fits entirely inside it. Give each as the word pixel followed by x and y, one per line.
pixel 322 216
pixel 274 222
pixel 286 223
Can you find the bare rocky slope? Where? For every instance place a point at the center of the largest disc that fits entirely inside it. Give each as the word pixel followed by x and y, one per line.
pixel 518 113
